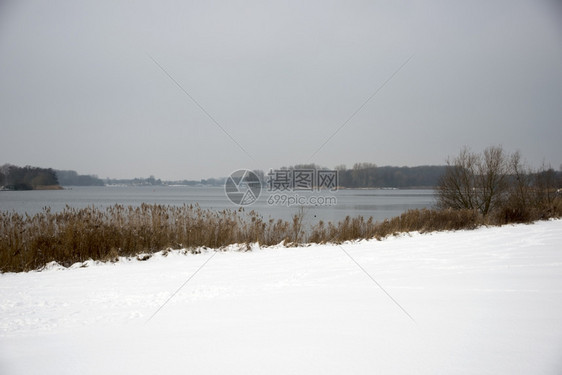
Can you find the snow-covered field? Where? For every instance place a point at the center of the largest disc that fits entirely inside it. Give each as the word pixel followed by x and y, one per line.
pixel 487 301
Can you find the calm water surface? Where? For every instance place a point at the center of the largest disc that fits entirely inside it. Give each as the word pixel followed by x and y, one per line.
pixel 380 204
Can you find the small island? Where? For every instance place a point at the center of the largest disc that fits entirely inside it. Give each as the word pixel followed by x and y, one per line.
pixel 28 178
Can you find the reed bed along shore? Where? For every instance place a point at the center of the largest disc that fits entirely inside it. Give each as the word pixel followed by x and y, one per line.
pixel 77 235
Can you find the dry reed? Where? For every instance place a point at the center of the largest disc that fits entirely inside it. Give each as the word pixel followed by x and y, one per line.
pixel 76 235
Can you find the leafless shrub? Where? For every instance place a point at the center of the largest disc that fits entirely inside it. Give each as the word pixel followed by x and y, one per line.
pixel 498 185
pixel 475 182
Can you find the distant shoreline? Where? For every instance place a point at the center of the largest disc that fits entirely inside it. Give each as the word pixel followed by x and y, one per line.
pixel 49 187
pixel 41 187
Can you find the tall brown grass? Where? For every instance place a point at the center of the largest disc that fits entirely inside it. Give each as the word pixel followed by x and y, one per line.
pixel 76 235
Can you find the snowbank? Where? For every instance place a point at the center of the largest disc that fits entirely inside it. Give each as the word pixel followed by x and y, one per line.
pixel 487 301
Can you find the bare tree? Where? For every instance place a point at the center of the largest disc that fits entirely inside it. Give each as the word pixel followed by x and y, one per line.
pixel 520 190
pixel 475 181
pixel 492 176
pixel 498 183
pixel 457 186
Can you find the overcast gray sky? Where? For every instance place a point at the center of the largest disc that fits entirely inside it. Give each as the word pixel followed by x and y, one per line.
pixel 81 87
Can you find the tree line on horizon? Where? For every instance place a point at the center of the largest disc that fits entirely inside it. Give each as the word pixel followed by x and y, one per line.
pixel 369 175
pixel 13 177
pixel 361 175
pixel 26 178
pixel 72 178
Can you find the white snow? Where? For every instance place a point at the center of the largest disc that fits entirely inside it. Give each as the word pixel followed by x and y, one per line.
pixel 487 301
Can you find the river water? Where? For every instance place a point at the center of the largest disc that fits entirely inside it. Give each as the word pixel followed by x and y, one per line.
pixel 380 204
